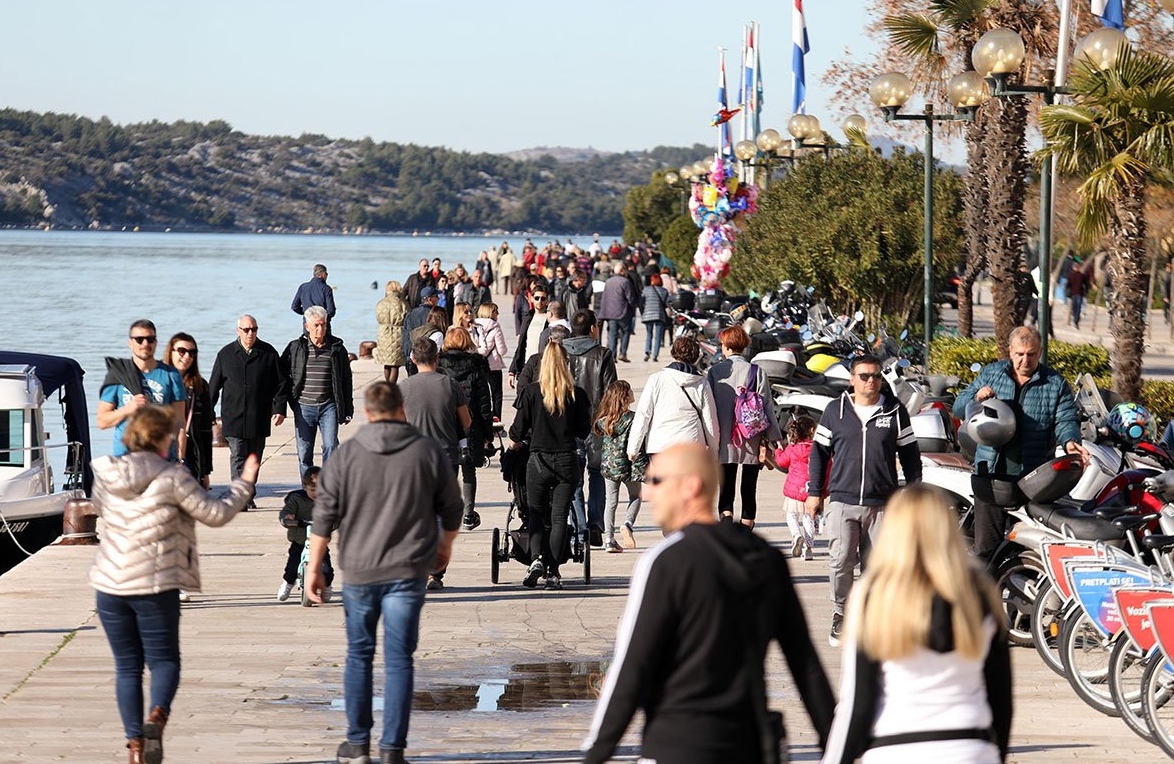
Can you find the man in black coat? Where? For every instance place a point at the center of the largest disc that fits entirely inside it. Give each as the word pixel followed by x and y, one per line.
pixel 248 373
pixel 417 317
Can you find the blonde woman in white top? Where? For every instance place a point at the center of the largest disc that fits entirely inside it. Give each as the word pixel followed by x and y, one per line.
pixel 926 673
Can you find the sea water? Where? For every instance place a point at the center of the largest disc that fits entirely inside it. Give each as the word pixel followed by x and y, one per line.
pixel 76 293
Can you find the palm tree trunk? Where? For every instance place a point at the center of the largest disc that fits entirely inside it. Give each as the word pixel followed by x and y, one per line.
pixel 1006 177
pixel 975 199
pixel 1127 296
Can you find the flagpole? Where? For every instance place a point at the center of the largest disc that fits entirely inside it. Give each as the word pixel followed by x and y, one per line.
pixel 722 128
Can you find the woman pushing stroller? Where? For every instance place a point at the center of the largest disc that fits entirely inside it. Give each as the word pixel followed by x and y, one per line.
pixel 552 414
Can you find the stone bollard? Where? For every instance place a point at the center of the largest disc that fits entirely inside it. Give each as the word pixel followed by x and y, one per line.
pixel 79 524
pixel 366 348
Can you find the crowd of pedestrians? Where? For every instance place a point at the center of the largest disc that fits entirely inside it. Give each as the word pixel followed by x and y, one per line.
pixel 705 602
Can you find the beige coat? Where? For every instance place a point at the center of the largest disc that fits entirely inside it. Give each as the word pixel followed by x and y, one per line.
pixel 149 508
pixel 390 312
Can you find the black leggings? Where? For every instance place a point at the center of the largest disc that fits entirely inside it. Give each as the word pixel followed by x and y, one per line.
pixel 495 392
pixel 725 499
pixel 550 486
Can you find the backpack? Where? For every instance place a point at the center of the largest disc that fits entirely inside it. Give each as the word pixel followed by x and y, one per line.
pixel 750 415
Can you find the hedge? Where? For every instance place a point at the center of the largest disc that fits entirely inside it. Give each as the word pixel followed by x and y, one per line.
pixel 954 356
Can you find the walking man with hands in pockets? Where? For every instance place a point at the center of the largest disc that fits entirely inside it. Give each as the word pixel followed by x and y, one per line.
pixel 866 433
pixel 392 495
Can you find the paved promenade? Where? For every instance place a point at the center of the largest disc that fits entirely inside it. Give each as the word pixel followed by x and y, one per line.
pixel 502 673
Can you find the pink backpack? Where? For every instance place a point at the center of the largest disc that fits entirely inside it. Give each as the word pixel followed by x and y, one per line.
pixel 750 415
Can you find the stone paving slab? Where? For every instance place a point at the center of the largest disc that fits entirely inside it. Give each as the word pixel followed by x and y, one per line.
pixel 262 680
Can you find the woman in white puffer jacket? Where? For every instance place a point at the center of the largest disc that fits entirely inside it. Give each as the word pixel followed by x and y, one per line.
pixel 149 507
pixel 676 406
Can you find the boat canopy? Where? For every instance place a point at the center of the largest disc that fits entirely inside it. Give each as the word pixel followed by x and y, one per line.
pixel 65 374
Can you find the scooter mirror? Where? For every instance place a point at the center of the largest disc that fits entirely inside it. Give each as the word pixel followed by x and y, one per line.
pixel 871 337
pixel 858 315
pixel 904 363
pixel 976 367
pixel 904 334
pixel 807 336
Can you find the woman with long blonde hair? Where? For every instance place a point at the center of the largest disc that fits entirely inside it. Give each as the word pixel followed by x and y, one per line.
pixel 926 670
pixel 552 414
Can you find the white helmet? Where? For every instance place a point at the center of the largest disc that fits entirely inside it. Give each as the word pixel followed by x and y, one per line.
pixel 990 422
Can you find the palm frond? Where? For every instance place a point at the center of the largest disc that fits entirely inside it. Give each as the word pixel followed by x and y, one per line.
pixel 915 35
pixel 959 14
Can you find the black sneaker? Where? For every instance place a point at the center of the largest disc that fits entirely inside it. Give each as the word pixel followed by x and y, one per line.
pixel 837 629
pixel 349 753
pixel 472 520
pixel 596 536
pixel 533 574
pixel 554 581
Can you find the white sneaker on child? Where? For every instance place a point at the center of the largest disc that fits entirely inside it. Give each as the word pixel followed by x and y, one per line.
pixel 283 591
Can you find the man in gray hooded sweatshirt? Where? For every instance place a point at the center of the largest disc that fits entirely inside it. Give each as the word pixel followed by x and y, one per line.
pixel 393 497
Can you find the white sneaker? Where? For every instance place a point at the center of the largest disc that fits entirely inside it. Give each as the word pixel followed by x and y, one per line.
pixel 809 552
pixel 283 591
pixel 184 596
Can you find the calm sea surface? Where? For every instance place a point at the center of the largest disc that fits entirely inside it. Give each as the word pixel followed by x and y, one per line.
pixel 76 293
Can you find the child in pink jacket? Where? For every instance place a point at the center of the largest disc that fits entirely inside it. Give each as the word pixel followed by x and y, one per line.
pixel 793 459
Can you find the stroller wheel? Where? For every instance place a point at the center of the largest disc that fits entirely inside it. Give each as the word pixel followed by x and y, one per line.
pixel 495 556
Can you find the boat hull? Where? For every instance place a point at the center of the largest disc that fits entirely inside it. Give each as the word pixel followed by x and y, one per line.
pixel 32 524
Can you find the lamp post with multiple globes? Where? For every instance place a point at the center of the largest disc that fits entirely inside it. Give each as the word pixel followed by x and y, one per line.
pixel 890 92
pixel 997 56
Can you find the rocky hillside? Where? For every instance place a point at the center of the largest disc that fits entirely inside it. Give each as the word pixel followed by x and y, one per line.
pixel 74 172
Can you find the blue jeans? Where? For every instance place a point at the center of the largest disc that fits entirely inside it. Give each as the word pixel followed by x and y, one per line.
pixel 618 332
pixel 589 512
pixel 398 603
pixel 142 629
pixel 653 338
pixel 308 420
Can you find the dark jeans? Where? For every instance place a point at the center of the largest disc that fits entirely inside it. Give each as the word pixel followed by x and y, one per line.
pixel 725 498
pixel 142 629
pixel 1077 307
pixel 990 527
pixel 239 450
pixel 550 486
pixel 619 330
pixel 495 393
pixel 295 559
pixel 398 604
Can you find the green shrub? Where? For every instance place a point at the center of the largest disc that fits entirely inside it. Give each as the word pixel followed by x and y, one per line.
pixel 1157 395
pixel 954 355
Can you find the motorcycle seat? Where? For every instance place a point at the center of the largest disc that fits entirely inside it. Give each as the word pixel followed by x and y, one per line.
pixel 1133 522
pixel 1157 542
pixel 1081 524
pixel 945 459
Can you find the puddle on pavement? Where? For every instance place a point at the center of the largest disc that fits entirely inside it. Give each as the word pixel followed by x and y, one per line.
pixel 529 687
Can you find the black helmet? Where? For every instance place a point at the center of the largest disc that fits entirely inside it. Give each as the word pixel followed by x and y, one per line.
pixel 990 422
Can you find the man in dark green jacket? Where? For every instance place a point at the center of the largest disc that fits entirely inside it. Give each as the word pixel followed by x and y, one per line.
pixel 1045 417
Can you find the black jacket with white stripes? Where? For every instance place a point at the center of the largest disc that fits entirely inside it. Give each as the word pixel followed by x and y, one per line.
pixel 864 454
pixel 681 647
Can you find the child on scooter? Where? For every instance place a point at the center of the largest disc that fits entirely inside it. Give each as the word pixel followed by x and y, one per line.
pixel 793 459
pixel 296 513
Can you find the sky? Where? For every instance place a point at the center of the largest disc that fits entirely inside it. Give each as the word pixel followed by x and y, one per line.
pixel 475 76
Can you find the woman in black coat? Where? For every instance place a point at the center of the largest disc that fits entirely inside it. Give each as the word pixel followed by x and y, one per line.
pixel 181 353
pixel 460 360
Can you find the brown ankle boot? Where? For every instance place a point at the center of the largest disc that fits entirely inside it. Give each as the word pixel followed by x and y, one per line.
pixel 135 746
pixel 153 736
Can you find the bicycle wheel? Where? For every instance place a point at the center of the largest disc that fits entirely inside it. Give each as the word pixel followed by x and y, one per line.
pixel 1127 667
pixel 1085 655
pixel 1157 688
pixel 1045 626
pixel 1019 574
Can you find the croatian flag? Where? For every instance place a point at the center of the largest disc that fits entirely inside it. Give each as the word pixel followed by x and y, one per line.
pixel 799 48
pixel 726 146
pixel 1110 12
pixel 748 81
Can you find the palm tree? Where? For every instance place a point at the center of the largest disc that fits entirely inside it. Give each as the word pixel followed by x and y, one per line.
pixel 996 184
pixel 1119 135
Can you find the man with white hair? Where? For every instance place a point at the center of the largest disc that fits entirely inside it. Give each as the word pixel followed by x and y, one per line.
pixel 321 395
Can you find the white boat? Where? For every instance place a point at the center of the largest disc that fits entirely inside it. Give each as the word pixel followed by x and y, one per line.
pixel 31 507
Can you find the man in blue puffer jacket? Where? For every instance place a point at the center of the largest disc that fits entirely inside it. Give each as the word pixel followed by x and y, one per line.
pixel 1045 417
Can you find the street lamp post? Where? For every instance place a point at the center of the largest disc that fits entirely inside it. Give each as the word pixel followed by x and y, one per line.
pixel 890 92
pixel 997 55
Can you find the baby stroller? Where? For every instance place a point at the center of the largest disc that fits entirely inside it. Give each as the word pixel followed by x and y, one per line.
pixel 515 543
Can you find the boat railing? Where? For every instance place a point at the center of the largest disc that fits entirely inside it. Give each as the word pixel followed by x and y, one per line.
pixel 74 462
